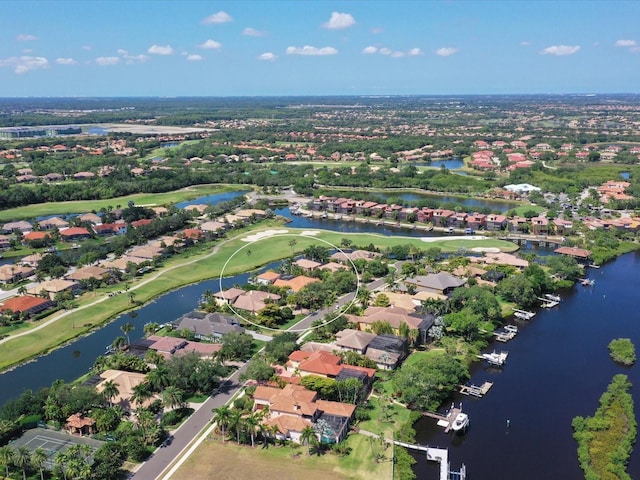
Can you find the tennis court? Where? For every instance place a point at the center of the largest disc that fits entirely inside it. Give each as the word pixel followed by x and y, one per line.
pixel 52 442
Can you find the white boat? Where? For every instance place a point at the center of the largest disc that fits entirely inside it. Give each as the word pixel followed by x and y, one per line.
pixel 521 314
pixel 587 282
pixel 555 298
pixel 511 328
pixel 460 422
pixel 495 358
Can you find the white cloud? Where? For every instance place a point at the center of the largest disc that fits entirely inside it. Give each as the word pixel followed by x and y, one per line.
pixel 194 57
pixel 625 43
pixel 107 61
pixel 377 30
pixel 26 37
pixel 252 32
pixel 24 64
pixel 65 61
pixel 398 54
pixel 393 53
pixel 161 50
pixel 309 50
pixel 369 50
pixel 385 51
pixel 446 51
pixel 560 50
pixel 220 17
pixel 339 21
pixel 414 52
pixel 525 43
pixel 267 56
pixel 210 45
pixel 129 59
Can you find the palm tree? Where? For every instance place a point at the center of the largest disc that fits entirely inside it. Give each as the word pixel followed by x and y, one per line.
pixel 173 397
pixel 292 243
pixel 119 343
pixel 62 460
pixel 308 436
pixel 146 421
pixel 110 390
pixel 22 459
pixel 158 378
pixel 364 296
pixel 141 393
pixel 38 459
pixel 150 328
pixel 126 329
pixel 252 422
pixel 222 416
pixel 6 456
pixel 235 422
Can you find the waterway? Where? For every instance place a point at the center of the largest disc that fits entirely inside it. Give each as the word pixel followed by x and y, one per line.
pixel 558 367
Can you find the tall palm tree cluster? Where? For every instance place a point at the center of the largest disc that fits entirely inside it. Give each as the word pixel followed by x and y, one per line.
pixel 248 426
pixel 71 464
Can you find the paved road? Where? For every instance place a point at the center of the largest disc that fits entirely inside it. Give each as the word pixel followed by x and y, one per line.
pixel 163 456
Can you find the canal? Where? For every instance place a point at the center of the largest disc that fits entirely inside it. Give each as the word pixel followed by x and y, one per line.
pixel 558 367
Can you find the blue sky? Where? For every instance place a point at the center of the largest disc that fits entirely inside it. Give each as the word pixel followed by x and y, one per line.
pixel 307 47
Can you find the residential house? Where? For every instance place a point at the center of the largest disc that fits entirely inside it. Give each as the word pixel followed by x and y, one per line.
pixel 387 351
pixel 88 273
pixel 254 300
pixel 540 225
pixel 578 253
pixel 110 229
pixel 495 222
pixel 54 222
pixel 354 340
pixel 21 226
pixel 75 233
pixel 14 273
pixel 267 278
pixel 306 264
pixel 295 284
pixel 395 317
pixel 209 326
pixel 228 296
pixel 121 264
pixel 126 382
pixel 35 237
pixel 442 282
pixel 90 218
pixel 5 241
pixel 54 287
pixel 25 304
pixel 347 257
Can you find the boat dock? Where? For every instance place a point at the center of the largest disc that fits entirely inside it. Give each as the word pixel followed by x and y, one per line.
pixel 495 358
pixel 475 390
pixel 445 421
pixel 523 314
pixel 440 455
pixel 548 303
pixel 504 336
pixel 587 282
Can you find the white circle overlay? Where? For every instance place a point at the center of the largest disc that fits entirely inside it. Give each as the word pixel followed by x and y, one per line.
pixel 338 312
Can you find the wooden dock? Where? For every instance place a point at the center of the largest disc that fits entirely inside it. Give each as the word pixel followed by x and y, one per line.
pixel 475 390
pixel 548 303
pixel 445 421
pixel 495 358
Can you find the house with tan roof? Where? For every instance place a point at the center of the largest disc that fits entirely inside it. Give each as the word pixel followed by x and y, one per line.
pixel 346 256
pixel 267 278
pixel 306 264
pixel 294 407
pixel 88 273
pixel 395 317
pixel 254 300
pixel 126 382
pixel 54 222
pixel 54 287
pixel 13 273
pixel 228 296
pixel 91 218
pixel 121 264
pixel 354 340
pixel 213 227
pixel 21 226
pixel 295 284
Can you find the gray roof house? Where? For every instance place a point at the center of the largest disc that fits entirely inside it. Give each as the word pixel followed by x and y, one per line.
pixel 208 326
pixel 441 282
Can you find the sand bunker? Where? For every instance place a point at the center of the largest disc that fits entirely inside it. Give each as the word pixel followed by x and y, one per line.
pixel 453 237
pixel 266 234
pixel 310 233
pixel 485 249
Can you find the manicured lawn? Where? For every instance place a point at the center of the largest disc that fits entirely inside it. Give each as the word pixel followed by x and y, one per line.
pixel 83 206
pixel 213 459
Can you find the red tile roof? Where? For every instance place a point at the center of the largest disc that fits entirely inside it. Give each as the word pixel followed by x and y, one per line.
pixel 23 303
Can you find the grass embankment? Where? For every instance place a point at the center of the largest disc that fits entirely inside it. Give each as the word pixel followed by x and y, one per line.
pixel 183 270
pixel 84 206
pixel 605 440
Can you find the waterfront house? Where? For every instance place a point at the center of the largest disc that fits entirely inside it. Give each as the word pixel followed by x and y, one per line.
pixel 394 316
pixel 346 257
pixel 5 241
pixel 579 254
pixel 387 351
pixel 254 300
pixel 495 222
pixel 213 227
pixel 54 222
pixel 122 264
pixel 90 218
pixel 208 326
pixel 38 237
pixel 540 225
pixel 267 278
pixel 442 282
pixel 306 264
pixel 75 233
pixel 228 296
pixel 295 284
pixel 110 229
